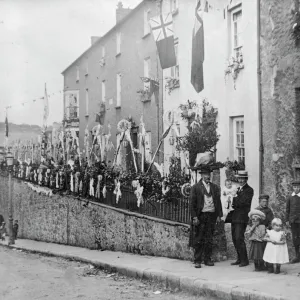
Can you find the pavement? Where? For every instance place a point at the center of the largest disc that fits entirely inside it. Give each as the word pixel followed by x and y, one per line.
pixel 222 281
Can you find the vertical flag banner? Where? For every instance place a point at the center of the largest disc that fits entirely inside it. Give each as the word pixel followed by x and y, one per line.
pixel 198 50
pixel 46 108
pixel 162 29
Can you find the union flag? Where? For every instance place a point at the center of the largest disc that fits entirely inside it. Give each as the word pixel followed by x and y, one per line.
pixel 162 29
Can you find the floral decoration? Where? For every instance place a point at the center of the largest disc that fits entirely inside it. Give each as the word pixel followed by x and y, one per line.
pixel 171 84
pixel 234 66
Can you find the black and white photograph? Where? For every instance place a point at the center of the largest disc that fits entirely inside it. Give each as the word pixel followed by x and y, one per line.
pixel 150 149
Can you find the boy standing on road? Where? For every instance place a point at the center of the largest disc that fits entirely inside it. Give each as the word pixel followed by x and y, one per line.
pixel 293 217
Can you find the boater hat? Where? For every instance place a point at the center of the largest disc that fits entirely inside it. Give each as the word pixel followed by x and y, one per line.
pixel 258 213
pixel 296 182
pixel 242 174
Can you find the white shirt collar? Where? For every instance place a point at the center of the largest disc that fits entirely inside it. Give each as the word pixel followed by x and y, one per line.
pixel 293 194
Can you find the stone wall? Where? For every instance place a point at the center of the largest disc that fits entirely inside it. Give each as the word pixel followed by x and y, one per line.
pixel 280 66
pixel 64 219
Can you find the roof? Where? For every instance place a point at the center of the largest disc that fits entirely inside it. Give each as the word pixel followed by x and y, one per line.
pixel 108 33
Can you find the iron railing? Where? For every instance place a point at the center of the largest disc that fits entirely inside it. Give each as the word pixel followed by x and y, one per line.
pixel 174 209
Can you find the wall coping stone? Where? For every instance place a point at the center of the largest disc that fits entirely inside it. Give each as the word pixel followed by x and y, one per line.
pixel 120 210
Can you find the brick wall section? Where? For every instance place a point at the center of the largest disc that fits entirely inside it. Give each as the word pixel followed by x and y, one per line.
pixel 280 66
pixel 64 220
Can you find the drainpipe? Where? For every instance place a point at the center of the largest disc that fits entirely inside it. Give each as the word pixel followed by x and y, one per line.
pixel 261 148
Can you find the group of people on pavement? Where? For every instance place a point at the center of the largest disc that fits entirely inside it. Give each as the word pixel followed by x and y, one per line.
pixel 268 246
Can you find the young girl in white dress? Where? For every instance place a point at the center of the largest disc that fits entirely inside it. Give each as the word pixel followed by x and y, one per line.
pixel 276 252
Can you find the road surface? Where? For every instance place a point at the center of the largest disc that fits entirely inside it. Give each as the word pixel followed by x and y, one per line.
pixel 26 276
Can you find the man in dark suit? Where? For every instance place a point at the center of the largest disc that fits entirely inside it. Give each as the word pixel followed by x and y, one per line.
pixel 241 205
pixel 206 210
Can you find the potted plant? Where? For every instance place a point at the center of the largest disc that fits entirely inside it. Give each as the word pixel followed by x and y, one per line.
pixel 232 167
pixel 202 133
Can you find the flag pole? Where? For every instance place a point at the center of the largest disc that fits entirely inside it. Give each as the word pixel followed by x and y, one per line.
pixel 160 142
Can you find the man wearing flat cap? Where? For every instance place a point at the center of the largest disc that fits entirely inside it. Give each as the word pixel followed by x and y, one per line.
pixel 241 205
pixel 293 217
pixel 206 211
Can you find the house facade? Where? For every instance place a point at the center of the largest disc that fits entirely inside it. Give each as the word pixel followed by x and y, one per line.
pixel 106 80
pixel 230 30
pixel 280 97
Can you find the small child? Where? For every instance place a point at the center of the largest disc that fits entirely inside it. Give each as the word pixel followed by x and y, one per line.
pixel 276 252
pixel 264 207
pixel 3 231
pixel 15 229
pixel 228 192
pixel 293 217
pixel 257 233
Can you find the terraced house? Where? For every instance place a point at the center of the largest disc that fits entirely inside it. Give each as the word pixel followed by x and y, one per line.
pixel 106 80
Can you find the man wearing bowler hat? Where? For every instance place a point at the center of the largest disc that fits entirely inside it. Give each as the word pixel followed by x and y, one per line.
pixel 241 204
pixel 206 210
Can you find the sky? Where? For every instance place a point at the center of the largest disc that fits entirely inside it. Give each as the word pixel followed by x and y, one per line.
pixel 38 40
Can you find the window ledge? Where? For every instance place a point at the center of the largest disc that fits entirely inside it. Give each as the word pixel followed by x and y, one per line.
pixel 146 34
pixel 86 74
pixel 118 107
pixel 77 80
pixel 118 54
pixel 86 115
pixel 175 11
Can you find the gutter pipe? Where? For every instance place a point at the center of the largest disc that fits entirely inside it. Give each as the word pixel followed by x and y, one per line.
pixel 261 148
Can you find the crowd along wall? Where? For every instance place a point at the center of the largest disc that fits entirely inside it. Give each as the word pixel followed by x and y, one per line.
pixel 64 220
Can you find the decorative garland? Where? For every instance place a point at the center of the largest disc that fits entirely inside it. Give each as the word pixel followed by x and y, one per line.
pixel 234 66
pixel 171 84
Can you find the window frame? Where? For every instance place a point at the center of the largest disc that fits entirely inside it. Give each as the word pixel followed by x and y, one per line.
pixel 86 67
pixel 77 74
pixel 103 91
pixel 147 65
pixel 119 90
pixel 239 147
pixel 147 27
pixel 87 100
pixel 236 48
pixel 175 69
pixel 118 43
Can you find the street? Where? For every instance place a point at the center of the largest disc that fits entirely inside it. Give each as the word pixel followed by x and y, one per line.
pixel 26 276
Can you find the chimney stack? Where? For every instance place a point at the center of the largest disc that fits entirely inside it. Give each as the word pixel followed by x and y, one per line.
pixel 94 39
pixel 121 12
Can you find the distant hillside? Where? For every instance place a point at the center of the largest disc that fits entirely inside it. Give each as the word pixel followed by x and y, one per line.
pixel 22 132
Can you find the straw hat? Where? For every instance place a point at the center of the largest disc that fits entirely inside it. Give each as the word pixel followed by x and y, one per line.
pixel 258 213
pixel 242 174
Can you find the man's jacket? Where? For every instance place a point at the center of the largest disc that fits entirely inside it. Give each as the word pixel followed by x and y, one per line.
pixel 242 204
pixel 197 199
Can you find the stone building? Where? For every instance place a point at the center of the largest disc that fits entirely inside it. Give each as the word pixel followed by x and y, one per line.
pixel 106 79
pixel 280 98
pixel 230 33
